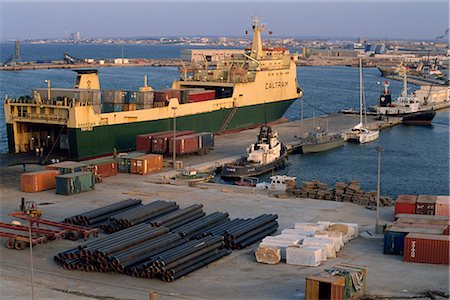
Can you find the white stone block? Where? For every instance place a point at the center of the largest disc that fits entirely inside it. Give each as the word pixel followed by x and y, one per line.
pixel 303 256
pixel 325 224
pixel 300 232
pixel 327 243
pixel 268 255
pixel 353 229
pixel 335 237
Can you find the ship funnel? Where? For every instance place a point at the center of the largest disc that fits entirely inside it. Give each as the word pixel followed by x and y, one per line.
pixel 257 50
pixel 146 88
pixel 87 79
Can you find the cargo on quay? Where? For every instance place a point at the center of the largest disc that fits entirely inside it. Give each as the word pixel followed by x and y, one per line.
pixel 248 89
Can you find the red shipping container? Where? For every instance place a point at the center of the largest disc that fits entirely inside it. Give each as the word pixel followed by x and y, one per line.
pixel 442 206
pixel 160 96
pixel 160 143
pixel 425 204
pixel 106 169
pixel 197 96
pixel 427 248
pixel 38 181
pixel 405 204
pixel 185 144
pixel 144 141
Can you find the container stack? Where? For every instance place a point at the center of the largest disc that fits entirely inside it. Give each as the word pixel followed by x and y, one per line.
pixel 160 143
pixel 201 142
pixel 124 161
pixel 307 244
pixel 113 101
pixel 68 167
pixel 422 205
pixel 38 181
pixel 431 226
pixel 144 141
pixel 145 99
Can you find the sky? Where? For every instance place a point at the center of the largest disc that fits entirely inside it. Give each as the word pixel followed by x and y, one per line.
pixel 420 20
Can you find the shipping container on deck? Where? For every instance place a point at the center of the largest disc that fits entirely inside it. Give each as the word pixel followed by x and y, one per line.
pixel 75 183
pixel 38 181
pixel 149 163
pixel 427 248
pixel 113 96
pixel 159 96
pixel 144 141
pixel 112 107
pixel 425 204
pixel 68 167
pixel 106 166
pixel 160 143
pixel 185 144
pixel 124 161
pixel 145 99
pixel 405 204
pixel 130 97
pixel 442 206
pixel 197 96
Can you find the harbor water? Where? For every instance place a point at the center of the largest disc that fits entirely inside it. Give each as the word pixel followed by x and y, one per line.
pixel 415 160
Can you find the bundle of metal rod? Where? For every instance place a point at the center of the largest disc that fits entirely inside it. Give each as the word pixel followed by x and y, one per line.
pixel 142 214
pixel 195 228
pixel 180 217
pixel 250 231
pixel 101 214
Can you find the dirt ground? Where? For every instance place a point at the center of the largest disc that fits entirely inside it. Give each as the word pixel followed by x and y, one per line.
pixel 237 276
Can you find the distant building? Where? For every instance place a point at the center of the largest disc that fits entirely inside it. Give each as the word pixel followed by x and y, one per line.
pixel 75 36
pixel 200 55
pixel 334 53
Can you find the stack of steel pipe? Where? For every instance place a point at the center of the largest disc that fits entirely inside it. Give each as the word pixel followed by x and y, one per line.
pixel 197 227
pixel 250 231
pixel 181 260
pixel 178 218
pixel 141 214
pixel 100 215
pixel 220 229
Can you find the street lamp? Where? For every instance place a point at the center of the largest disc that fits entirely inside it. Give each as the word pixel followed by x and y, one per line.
pixel 379 150
pixel 174 135
pixel 48 89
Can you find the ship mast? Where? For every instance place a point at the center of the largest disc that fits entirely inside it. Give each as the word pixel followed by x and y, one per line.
pixel 257 50
pixel 405 85
pixel 360 91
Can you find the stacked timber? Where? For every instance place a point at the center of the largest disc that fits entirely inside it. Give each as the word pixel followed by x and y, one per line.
pixel 97 217
pixel 343 192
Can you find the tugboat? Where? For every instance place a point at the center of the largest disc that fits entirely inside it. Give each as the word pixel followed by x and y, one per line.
pixel 266 155
pixel 409 107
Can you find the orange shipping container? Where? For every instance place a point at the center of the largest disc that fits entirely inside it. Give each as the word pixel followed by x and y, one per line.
pixel 38 181
pixel 442 206
pixel 146 164
pixel 425 248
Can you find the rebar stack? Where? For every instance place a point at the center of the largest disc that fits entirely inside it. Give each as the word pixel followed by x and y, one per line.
pixel 250 231
pixel 196 228
pixel 98 216
pixel 141 214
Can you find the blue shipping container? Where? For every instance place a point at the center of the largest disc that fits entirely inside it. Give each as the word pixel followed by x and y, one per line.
pixel 394 242
pixel 74 183
pixel 124 162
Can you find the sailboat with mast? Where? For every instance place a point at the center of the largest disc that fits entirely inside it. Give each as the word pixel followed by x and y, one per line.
pixel 360 133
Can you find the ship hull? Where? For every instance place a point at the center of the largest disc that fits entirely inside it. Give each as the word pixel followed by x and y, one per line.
pixel 321 147
pixel 419 118
pixel 101 140
pixel 234 171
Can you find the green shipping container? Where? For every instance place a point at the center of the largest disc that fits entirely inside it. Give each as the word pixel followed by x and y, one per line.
pixel 124 162
pixel 74 183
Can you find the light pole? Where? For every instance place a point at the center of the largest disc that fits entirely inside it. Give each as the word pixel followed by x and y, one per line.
pixel 174 135
pixel 379 150
pixel 48 89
